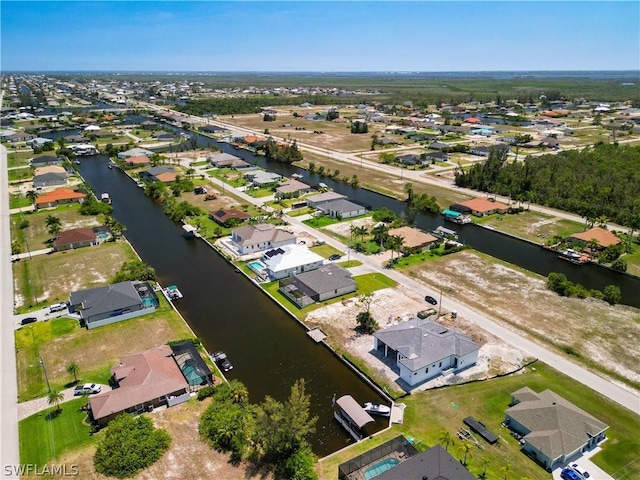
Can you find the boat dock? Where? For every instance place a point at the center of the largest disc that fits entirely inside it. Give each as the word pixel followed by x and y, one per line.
pixel 317 334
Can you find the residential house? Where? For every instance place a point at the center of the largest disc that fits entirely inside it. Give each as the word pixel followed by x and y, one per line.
pixel 439 146
pixel 213 129
pixel 229 217
pixel 414 240
pixel 555 431
pixel 436 463
pixel 142 382
pixel 59 196
pixel 164 136
pixel 114 303
pixel 50 179
pixel 314 117
pixel 160 173
pixel 45 160
pixel 408 158
pixel 135 152
pixel 436 156
pixel 342 208
pixel 480 207
pixel 290 259
pixel 263 179
pixel 292 188
pixel 424 349
pixel 480 150
pixel 19 137
pixel 225 160
pixel 602 236
pixel 81 237
pixel 137 161
pixel 316 201
pixel 38 142
pixel 326 282
pixel 260 237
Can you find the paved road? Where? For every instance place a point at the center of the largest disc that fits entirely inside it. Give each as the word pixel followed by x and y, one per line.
pixel 619 394
pixel 26 409
pixel 9 454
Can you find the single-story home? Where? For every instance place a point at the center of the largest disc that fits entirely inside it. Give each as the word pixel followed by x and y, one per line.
pixel 261 178
pixel 19 137
pixel 437 156
pixel 342 208
pixel 51 179
pixel 45 160
pixel 408 158
pixel 554 430
pixel 290 259
pixel 164 136
pixel 228 217
pixel 480 207
pixel 414 239
pixel 292 188
pixel 114 303
pixel 328 281
pixel 263 236
pixel 138 161
pixel 223 159
pixel 135 152
pixel 436 463
pixel 59 196
pixel 424 349
pixel 38 142
pixel 160 173
pixel 601 235
pixel 81 237
pixel 213 129
pixel 142 381
pixel 315 201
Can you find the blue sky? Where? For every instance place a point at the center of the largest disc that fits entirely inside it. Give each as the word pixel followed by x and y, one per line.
pixel 319 36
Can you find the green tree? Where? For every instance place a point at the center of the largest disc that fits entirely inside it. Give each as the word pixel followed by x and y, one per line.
pixel 300 466
pixel 467 451
pixel 55 397
pixel 612 294
pixel 32 196
pixel 72 369
pixel 619 264
pixel 130 445
pixel 135 270
pixel 395 243
pixel 445 439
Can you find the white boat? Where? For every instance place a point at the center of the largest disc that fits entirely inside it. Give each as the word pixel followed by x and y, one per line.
pixel 104 198
pixel 570 253
pixel 172 292
pixel 377 409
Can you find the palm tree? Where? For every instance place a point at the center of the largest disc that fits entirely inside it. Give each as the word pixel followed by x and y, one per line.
pixel 239 393
pixel 32 196
pixel 54 229
pixel 72 369
pixel 362 231
pixel 506 469
pixel 446 439
pixel 466 450
pixel 51 220
pixel 395 242
pixel 380 233
pixel 485 462
pixel 54 398
pixel 602 221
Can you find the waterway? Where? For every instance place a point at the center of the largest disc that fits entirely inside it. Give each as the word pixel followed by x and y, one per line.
pixel 512 250
pixel 268 348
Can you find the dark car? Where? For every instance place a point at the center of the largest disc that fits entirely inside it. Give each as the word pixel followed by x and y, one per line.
pixel 335 256
pixel 222 361
pixel 569 474
pixel 28 320
pixel 430 300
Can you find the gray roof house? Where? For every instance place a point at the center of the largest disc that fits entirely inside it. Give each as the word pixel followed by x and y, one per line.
pixel 104 305
pixel 435 463
pixel 328 281
pixel 136 152
pixel 45 160
pixel 342 208
pixel 315 201
pixel 260 178
pixel 50 179
pixel 424 349
pixel 554 430
pixel 256 238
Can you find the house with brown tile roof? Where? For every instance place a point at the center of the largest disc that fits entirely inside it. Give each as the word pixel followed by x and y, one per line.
pixel 554 430
pixel 143 381
pixel 413 238
pixel 81 237
pixel 59 196
pixel 480 207
pixel 161 173
pixel 604 237
pixel 138 161
pixel 229 217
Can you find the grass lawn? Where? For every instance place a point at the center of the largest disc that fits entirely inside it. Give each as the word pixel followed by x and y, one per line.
pixel 300 211
pixel 418 258
pixel 259 192
pixel 20 173
pixel 19 159
pixel 319 222
pixel 50 278
pixel 18 201
pixel 325 250
pixel 350 263
pixel 633 260
pixel 96 351
pixel 430 413
pixel 534 226
pixel 45 437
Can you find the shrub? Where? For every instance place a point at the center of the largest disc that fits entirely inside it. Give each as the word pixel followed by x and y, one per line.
pixel 131 444
pixel 611 294
pixel 206 392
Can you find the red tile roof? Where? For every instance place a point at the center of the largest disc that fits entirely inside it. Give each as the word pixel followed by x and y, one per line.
pixel 604 237
pixel 223 215
pixel 484 205
pixel 75 235
pixel 140 160
pixel 59 194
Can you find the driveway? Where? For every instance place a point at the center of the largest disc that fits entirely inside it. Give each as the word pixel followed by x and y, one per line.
pixel 26 409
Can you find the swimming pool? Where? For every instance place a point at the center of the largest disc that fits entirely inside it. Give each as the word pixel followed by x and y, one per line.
pixel 380 467
pixel 103 236
pixel 257 265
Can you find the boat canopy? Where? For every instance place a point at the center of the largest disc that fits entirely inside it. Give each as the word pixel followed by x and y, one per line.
pixel 354 411
pixel 451 213
pixel 189 228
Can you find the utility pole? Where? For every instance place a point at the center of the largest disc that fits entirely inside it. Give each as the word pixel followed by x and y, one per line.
pixel 440 304
pixel 46 377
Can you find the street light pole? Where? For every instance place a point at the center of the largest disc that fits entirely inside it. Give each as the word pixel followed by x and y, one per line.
pixel 440 304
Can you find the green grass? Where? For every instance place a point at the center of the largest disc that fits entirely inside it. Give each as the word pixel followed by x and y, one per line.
pixel 487 401
pixel 319 222
pixel 350 263
pixel 326 250
pixel 20 173
pixel 370 282
pixel 534 226
pixel 259 192
pixel 18 201
pixel 45 436
pixel 300 211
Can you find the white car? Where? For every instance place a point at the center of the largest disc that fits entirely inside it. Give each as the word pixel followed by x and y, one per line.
pixel 579 470
pixel 87 388
pixel 57 307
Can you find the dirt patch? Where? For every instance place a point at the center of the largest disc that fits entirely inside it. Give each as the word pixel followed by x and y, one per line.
pixel 344 228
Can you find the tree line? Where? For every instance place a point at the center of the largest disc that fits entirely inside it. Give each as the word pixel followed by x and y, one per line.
pixel 595 182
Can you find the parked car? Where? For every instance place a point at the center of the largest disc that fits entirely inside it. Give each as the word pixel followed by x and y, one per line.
pixel 430 300
pixel 569 474
pixel 57 307
pixel 28 320
pixel 579 470
pixel 222 361
pixel 200 190
pixel 87 388
pixel 335 256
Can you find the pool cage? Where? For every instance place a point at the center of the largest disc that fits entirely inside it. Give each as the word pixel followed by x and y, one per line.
pixel 192 366
pixel 357 468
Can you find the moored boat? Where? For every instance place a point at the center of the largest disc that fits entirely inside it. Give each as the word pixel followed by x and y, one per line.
pixel 377 409
pixel 104 198
pixel 172 292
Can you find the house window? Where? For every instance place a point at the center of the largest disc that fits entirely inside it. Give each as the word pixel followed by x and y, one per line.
pixel 426 370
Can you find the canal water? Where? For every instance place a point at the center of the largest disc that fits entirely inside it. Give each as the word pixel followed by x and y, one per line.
pixel 517 252
pixel 268 348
